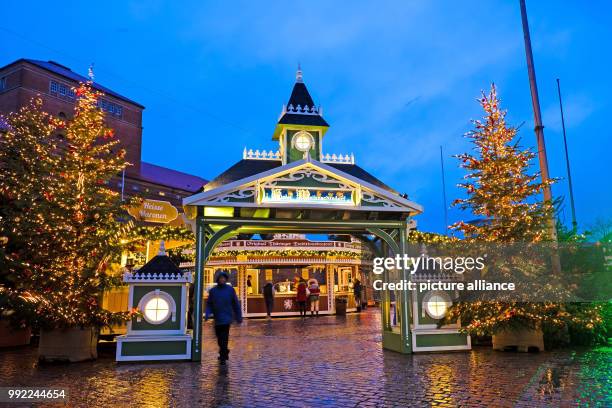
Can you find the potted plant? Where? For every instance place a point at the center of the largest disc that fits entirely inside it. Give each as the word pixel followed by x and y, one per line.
pixel 15 315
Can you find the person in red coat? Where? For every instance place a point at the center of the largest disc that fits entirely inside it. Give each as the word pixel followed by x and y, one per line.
pixel 302 297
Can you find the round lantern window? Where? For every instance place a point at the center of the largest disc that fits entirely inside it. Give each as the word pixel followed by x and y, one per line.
pixel 157 307
pixel 436 304
pixel 303 141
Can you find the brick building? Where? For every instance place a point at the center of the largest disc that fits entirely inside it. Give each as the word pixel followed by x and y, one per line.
pixel 24 79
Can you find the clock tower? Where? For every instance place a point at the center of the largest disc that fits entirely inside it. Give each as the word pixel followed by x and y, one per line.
pixel 301 126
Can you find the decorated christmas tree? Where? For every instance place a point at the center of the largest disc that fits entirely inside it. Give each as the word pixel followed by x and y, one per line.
pixel 500 190
pixel 504 195
pixel 61 224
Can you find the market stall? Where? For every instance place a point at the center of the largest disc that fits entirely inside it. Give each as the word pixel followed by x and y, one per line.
pixel 284 261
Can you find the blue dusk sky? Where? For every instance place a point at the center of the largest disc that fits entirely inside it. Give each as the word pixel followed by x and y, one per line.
pixel 397 80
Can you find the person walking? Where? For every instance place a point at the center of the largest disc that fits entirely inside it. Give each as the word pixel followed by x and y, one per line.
pixel 268 292
pixel 315 292
pixel 224 306
pixel 302 297
pixel 357 293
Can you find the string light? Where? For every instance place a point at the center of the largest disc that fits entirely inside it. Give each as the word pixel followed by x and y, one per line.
pixel 501 191
pixel 61 224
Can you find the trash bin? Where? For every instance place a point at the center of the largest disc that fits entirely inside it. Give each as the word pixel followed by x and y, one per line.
pixel 341 305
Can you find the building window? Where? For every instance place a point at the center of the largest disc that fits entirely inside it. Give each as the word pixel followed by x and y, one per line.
pixel 2 84
pixel 66 91
pixel 157 307
pixel 110 107
pixel 61 90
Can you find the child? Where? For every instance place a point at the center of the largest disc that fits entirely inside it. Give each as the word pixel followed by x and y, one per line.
pixel 315 292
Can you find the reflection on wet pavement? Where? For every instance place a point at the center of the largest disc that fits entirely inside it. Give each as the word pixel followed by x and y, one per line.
pixel 329 361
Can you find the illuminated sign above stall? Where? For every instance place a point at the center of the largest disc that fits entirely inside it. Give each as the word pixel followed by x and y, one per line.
pixel 296 195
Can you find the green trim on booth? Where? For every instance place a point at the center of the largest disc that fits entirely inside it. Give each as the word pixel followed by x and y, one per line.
pixel 151 348
pixel 441 340
pixel 393 341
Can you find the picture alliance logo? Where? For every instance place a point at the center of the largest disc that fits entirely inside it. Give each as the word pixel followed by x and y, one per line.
pixel 458 265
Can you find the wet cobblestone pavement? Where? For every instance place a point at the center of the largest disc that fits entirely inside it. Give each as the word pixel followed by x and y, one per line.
pixel 329 361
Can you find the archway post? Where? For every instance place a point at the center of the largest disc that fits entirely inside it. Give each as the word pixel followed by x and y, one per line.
pixel 198 288
pixel 405 297
pixel 206 241
pixel 395 243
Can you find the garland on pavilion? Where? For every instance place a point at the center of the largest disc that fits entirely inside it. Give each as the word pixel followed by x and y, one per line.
pixel 502 193
pixel 60 223
pixel 289 253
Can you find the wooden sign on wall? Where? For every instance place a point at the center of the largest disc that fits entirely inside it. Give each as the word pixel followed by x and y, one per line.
pixel 161 212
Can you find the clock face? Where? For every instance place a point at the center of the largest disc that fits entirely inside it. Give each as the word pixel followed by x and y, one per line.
pixel 303 141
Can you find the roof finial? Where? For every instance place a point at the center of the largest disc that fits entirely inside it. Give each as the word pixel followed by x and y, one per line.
pixel 90 72
pixel 162 248
pixel 298 74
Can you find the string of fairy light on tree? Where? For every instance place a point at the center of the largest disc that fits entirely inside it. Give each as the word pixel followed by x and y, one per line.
pixel 60 222
pixel 500 190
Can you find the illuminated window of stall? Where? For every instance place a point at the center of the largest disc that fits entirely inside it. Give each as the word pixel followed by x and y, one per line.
pixel 344 279
pixel 252 281
pixel 436 304
pixel 157 307
pixel 209 280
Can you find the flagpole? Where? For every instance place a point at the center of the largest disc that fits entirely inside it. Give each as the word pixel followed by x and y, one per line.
pixel 537 115
pixel 567 160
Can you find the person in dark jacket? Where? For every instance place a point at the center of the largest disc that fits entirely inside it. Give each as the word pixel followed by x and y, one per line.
pixel 301 297
pixel 224 305
pixel 268 293
pixel 357 292
pixel 249 286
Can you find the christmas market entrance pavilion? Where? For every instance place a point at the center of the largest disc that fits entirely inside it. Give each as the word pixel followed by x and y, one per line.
pixel 308 197
pixel 297 188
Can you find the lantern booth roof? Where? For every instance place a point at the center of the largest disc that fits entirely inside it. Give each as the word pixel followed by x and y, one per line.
pixel 159 269
pixel 285 191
